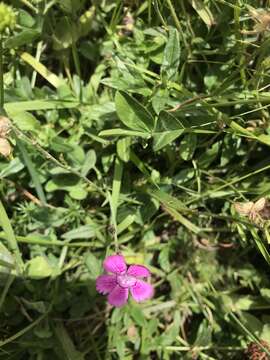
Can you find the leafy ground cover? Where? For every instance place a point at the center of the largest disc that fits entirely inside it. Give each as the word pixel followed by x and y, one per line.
pixel 139 127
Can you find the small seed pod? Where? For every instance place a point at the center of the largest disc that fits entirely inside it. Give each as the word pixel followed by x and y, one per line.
pixel 5 126
pixel 7 17
pixel 5 148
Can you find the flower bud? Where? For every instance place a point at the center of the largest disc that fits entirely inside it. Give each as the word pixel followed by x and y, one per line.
pixel 7 17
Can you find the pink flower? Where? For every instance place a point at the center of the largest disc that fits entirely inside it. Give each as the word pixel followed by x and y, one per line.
pixel 123 280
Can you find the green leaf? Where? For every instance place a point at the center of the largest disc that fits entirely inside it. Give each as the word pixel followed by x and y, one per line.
pixel 93 265
pixel 6 260
pixel 188 146
pixel 25 121
pixel 11 239
pixel 16 107
pixel 78 192
pixel 123 149
pixel 13 167
pixel 163 259
pixel 171 57
pixel 32 171
pixel 38 268
pixel 204 334
pixel 132 113
pixel 25 19
pixel 24 37
pixel 203 11
pixel 160 99
pixel 265 333
pixel 53 79
pixel 137 315
pixel 82 232
pixel 260 245
pixel 59 144
pixel 89 162
pixel 251 323
pixel 124 132
pixel 68 348
pixel 167 130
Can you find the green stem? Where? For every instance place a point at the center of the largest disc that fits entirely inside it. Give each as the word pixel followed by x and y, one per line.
pixel 114 198
pixel 159 14
pixel 176 21
pixel 77 66
pixel 76 59
pixel 28 240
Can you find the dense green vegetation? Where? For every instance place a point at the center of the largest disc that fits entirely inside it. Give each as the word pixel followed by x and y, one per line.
pixel 139 127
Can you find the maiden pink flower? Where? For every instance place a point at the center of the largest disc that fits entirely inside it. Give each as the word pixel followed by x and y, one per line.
pixel 122 280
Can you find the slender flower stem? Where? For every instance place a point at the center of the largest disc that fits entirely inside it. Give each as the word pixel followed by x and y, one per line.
pixel 176 21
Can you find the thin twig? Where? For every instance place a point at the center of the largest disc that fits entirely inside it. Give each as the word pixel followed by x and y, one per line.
pixel 187 102
pixel 48 156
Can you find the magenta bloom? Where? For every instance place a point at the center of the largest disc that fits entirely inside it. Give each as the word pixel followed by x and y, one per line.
pixel 123 280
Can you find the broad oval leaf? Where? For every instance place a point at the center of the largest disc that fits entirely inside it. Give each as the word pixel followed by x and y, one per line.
pixel 168 129
pixel 132 113
pixel 38 268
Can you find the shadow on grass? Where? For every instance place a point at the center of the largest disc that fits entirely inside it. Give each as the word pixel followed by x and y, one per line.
pixel 52 319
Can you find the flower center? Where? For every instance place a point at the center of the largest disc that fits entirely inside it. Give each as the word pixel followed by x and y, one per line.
pixel 126 281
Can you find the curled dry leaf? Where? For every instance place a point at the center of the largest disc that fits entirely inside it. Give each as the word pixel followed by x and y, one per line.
pixel 5 126
pixel 128 24
pixel 250 209
pixel 5 148
pixel 262 19
pixel 132 332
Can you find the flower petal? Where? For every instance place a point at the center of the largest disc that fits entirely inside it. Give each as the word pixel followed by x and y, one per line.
pixel 118 297
pixel 138 271
pixel 105 283
pixel 142 291
pixel 115 264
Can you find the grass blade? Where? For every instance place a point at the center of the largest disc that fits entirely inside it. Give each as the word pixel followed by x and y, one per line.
pixel 11 239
